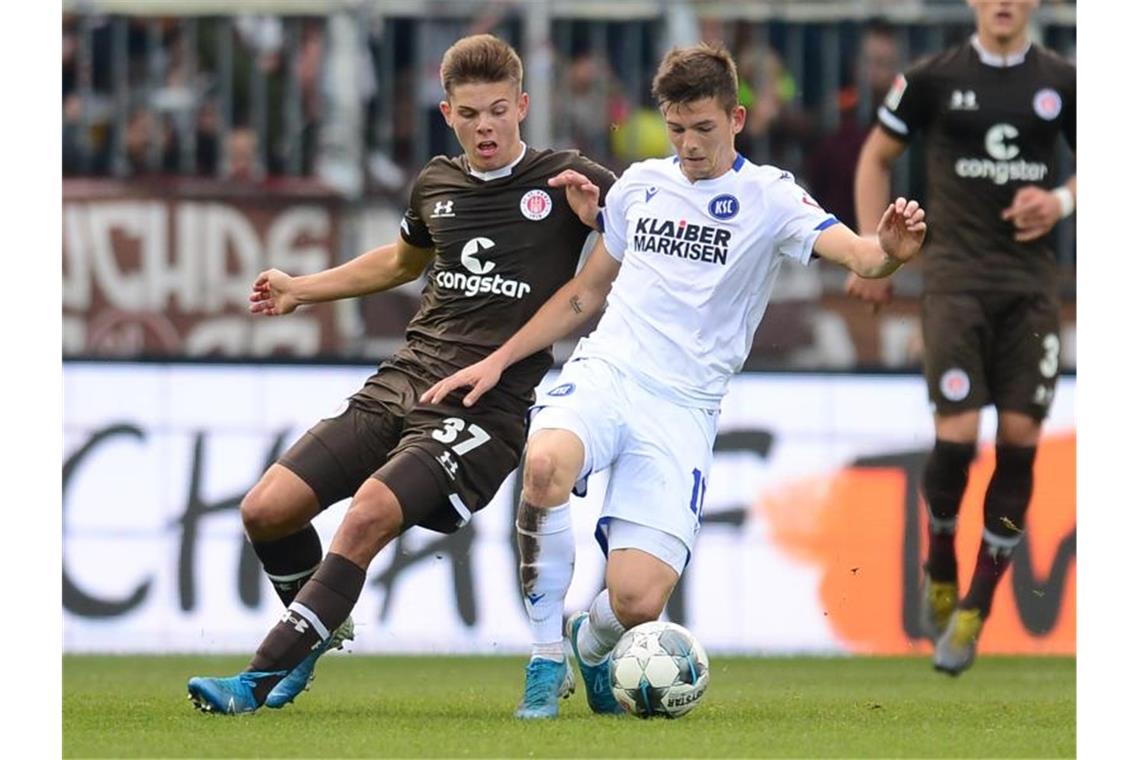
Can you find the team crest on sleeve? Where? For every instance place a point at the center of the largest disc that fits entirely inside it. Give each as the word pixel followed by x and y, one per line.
pixel 894 97
pixel 536 205
pixel 1047 103
pixel 724 206
pixel 955 384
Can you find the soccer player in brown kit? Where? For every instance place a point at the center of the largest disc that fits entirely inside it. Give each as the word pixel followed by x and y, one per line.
pixel 991 111
pixel 497 237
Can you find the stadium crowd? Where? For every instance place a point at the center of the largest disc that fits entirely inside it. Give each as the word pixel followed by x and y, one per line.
pixel 352 102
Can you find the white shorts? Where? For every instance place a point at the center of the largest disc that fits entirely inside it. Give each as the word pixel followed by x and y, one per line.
pixel 659 453
pixel 613 533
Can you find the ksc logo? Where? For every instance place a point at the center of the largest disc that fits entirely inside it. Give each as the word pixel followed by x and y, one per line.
pixel 562 390
pixel 724 206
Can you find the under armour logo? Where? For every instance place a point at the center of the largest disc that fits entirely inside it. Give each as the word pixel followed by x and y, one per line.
pixel 442 208
pixel 450 466
pixel 963 100
pixel 300 625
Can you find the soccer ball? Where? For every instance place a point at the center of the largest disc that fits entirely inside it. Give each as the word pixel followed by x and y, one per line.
pixel 659 668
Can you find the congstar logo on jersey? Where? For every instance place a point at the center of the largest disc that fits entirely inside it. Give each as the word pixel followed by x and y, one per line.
pixel 477 279
pixel 683 239
pixel 1003 164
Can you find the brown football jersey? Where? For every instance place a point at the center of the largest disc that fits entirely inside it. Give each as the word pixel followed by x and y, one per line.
pixel 990 127
pixel 504 244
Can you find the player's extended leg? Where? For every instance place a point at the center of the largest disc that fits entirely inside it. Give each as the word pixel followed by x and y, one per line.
pixel 546 564
pixel 944 483
pixel 638 585
pixel 327 464
pixel 1007 499
pixel 277 514
pixel 305 630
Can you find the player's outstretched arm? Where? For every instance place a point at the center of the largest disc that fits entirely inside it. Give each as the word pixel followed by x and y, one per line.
pixel 898 239
pixel 388 266
pixel 872 193
pixel 1035 210
pixel 569 308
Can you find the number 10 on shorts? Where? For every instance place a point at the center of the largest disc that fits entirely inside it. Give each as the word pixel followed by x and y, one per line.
pixel 697 501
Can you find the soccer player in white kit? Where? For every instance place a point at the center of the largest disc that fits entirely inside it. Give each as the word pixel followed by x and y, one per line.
pixel 686 265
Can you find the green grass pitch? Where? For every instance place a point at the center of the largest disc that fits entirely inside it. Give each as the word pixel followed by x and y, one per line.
pixel 362 706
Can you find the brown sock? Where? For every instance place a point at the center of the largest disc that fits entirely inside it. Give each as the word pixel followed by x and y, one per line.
pixel 290 561
pixel 320 607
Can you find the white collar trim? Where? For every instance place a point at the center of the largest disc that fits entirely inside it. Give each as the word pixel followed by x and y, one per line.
pixel 998 60
pixel 502 171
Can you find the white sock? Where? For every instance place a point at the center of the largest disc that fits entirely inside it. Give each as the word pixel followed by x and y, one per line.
pixel 553 651
pixel 598 635
pixel 546 565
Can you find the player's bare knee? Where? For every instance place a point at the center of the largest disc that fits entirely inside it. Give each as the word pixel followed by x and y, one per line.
pixel 262 516
pixel 635 606
pixel 279 505
pixel 541 486
pixel 1017 429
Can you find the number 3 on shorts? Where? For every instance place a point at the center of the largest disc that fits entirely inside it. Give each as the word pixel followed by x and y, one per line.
pixel 1051 361
pixel 452 427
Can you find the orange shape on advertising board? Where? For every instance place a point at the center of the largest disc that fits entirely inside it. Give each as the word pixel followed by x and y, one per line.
pixel 865 529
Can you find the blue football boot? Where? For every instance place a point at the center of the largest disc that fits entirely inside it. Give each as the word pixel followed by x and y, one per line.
pixel 301 676
pixel 599 692
pixel 227 696
pixel 546 682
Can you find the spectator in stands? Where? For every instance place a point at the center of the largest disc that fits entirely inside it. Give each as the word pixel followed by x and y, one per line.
pixel 73 135
pixel 592 105
pixel 243 163
pixel 146 129
pixel 831 166
pixel 776 127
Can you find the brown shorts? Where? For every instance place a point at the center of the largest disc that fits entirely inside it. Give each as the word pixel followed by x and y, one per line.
pixel 468 451
pixel 991 348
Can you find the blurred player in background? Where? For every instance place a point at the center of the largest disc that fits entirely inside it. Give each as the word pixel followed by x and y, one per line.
pixel 692 246
pixel 991 111
pixel 499 241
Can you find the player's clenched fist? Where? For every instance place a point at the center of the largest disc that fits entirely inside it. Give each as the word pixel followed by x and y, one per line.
pixel 877 292
pixel 1033 213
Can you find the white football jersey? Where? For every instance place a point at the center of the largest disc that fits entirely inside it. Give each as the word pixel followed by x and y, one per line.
pixel 699 260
